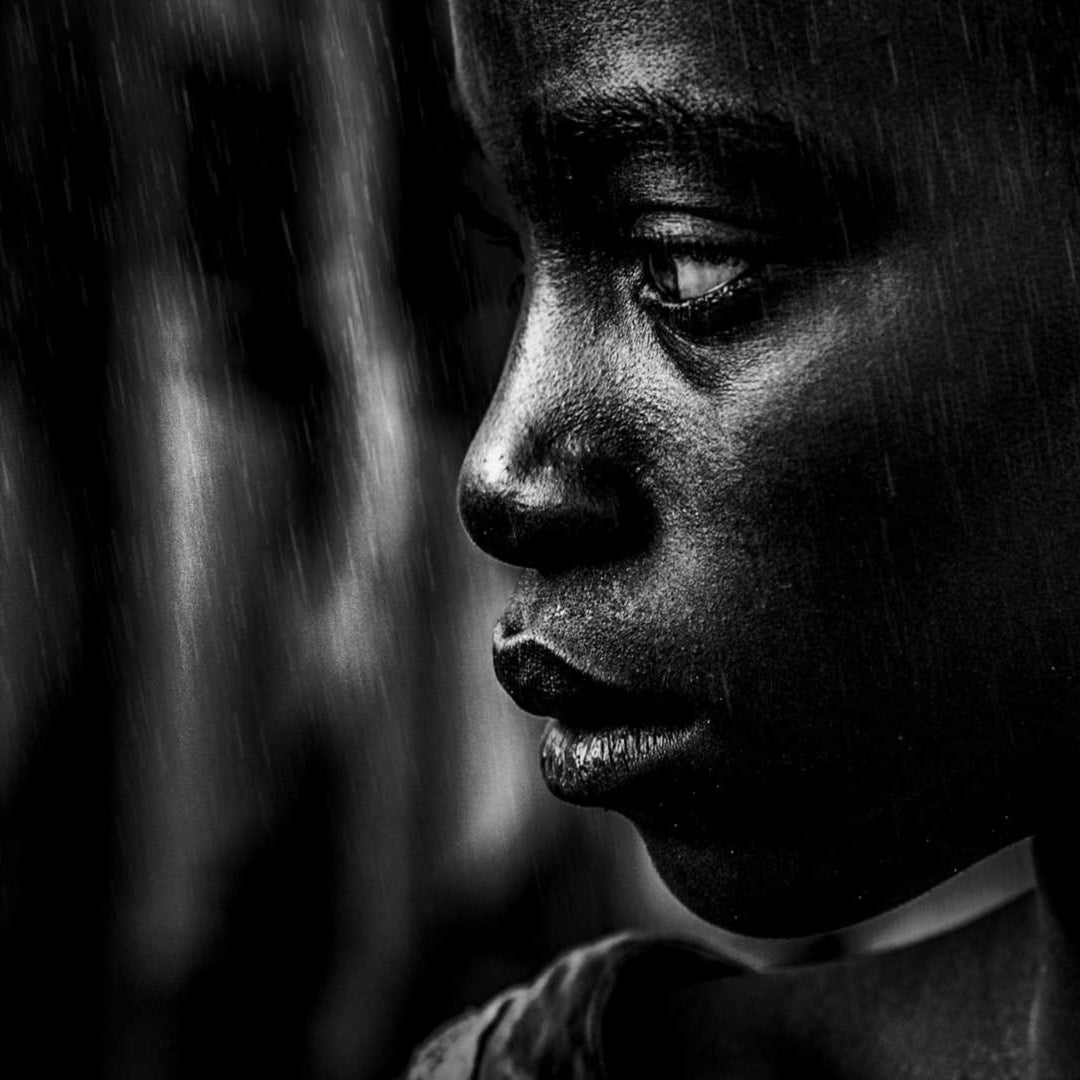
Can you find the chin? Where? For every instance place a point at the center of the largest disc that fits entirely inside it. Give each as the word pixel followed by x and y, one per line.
pixel 772 892
pixel 765 894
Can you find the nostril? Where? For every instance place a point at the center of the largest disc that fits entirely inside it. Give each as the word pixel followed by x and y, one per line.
pixel 548 518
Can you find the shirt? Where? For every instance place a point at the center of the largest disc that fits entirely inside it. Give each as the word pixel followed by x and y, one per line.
pixel 552 1027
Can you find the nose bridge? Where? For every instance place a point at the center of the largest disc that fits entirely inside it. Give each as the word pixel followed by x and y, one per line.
pixel 547 478
pixel 556 400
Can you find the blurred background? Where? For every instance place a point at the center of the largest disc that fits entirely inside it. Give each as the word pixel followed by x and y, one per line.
pixel 263 808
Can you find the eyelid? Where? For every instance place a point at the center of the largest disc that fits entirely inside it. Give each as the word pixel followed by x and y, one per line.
pixel 687 232
pixel 768 262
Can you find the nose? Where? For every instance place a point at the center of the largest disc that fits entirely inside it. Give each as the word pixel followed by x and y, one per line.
pixel 549 480
pixel 551 507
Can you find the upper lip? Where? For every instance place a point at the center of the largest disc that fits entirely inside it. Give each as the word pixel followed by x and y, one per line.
pixel 543 682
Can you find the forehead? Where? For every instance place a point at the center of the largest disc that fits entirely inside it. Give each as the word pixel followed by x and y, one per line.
pixel 851 67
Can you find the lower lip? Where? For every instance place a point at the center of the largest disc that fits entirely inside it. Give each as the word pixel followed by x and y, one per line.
pixel 594 766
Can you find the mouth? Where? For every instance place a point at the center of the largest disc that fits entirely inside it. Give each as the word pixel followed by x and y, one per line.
pixel 604 736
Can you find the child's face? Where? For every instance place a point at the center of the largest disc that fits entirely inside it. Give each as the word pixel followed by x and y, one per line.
pixel 787 439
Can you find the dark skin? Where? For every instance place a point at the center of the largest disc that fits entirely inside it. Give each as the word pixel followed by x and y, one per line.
pixel 788 446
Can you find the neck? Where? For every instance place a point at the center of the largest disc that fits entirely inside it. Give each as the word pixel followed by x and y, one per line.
pixel 1055 1021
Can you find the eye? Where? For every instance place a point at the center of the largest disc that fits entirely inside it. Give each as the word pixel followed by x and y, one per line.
pixel 688 258
pixel 679 276
pixel 700 277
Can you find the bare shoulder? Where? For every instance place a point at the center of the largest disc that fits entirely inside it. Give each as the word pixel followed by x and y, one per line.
pixel 954 1005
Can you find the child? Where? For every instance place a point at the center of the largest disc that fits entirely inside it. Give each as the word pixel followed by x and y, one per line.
pixel 787 444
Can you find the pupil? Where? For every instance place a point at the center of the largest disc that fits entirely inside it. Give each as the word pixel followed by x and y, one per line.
pixel 665 275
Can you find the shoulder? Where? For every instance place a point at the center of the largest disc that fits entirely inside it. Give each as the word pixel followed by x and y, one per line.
pixel 552 1026
pixel 960 1000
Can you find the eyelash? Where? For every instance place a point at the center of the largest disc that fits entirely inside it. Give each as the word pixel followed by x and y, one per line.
pixel 700 246
pixel 706 256
pixel 672 234
pixel 720 309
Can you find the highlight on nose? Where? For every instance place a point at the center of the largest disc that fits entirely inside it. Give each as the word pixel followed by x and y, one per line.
pixel 552 512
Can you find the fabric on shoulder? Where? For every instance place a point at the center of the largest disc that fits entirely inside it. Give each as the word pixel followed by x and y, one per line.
pixel 552 1026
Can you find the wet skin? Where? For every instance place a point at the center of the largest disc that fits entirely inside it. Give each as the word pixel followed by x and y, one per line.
pixel 787 438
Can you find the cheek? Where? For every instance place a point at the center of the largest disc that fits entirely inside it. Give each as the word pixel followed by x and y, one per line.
pixel 881 490
pixel 883 420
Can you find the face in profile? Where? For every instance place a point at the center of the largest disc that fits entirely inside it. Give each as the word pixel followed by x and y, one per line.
pixel 786 442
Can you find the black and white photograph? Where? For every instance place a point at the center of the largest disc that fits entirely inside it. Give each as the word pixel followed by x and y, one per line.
pixel 540 539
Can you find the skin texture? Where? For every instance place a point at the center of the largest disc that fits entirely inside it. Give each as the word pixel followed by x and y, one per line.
pixel 831 523
pixel 825 523
pixel 959 1006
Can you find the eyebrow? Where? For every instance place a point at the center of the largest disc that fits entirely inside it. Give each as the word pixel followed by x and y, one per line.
pixel 605 122
pixel 572 147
